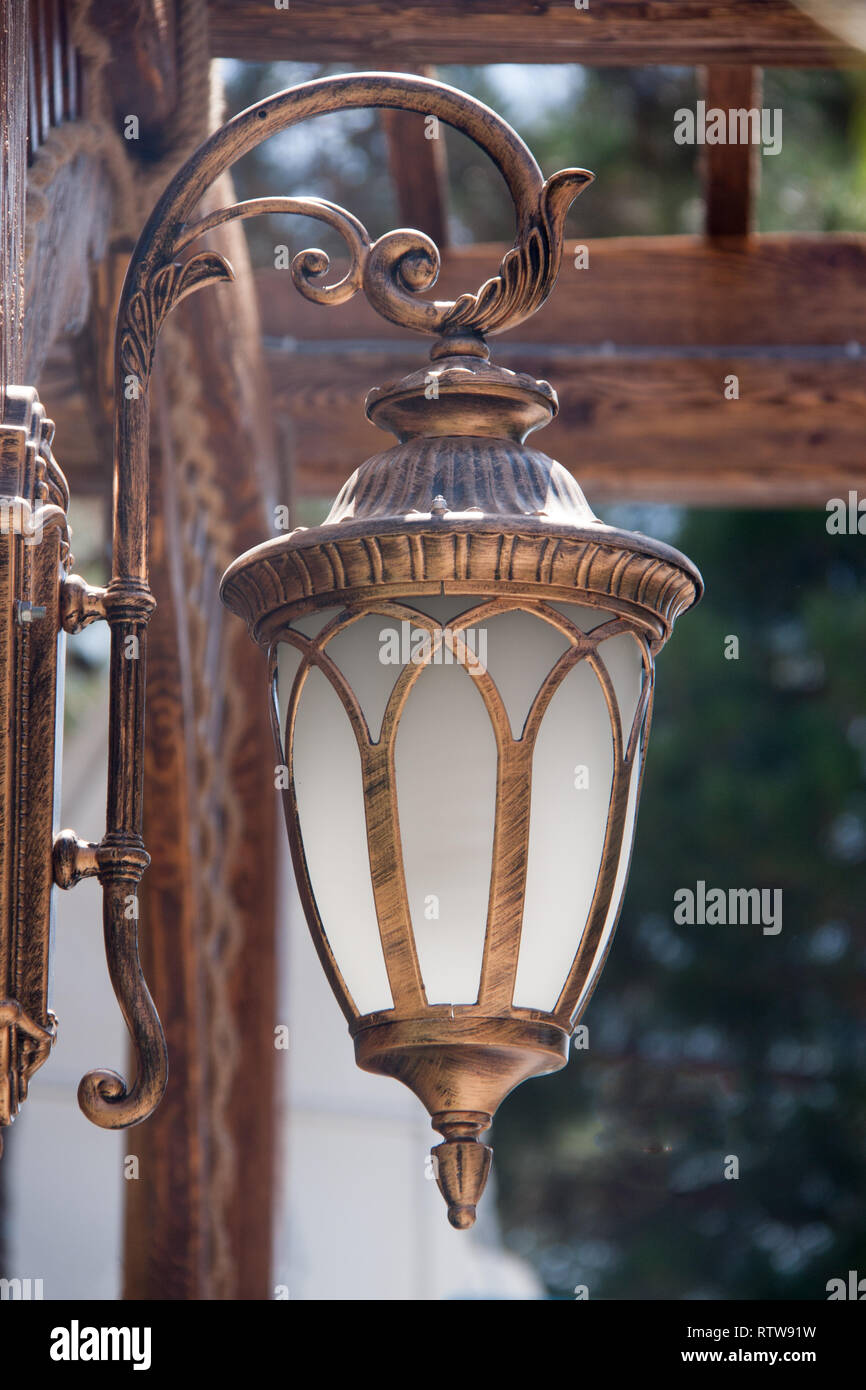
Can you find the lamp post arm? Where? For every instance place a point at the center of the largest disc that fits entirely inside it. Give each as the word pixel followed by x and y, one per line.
pixel 392 272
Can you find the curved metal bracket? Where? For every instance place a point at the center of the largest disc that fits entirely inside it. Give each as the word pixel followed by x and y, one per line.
pixel 393 272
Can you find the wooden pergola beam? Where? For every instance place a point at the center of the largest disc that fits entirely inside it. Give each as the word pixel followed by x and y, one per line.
pixel 614 33
pixel 640 346
pixel 631 426
pixel 678 291
pixel 418 169
pixel 731 173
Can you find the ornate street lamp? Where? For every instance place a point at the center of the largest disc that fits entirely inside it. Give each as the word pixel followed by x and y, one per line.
pixel 460 664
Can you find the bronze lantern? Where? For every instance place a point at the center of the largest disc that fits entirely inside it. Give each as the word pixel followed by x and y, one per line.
pixel 459 662
pixel 494 758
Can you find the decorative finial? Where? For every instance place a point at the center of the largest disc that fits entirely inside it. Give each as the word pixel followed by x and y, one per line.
pixel 462 1163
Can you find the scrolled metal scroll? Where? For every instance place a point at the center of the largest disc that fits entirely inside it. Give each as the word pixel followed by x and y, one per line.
pixel 309 265
pixel 103 1094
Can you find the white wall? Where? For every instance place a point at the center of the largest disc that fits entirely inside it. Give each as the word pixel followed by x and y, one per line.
pixel 357 1217
pixel 65 1178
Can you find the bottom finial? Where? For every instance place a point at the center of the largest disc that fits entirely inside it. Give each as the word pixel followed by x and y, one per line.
pixel 462 1163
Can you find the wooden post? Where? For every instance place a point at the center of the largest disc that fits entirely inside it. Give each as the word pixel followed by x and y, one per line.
pixel 199 1220
pixel 416 159
pixel 731 173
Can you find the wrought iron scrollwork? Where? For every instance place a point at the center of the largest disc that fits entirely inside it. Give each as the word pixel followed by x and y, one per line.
pixel 393 272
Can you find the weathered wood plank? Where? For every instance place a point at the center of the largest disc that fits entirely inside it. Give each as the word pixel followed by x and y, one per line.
pixel 418 169
pixel 199 1225
pixel 639 291
pixel 75 213
pixel 700 304
pixel 166 1208
pixel 643 426
pixel 730 173
pixel 613 33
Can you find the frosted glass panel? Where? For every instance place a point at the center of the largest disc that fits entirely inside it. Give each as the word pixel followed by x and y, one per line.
pixel 619 883
pixel 443 607
pixel 327 772
pixel 622 657
pixel 584 618
pixel 312 623
pixel 446 787
pixel 566 834
pixel 445 769
pixel 359 650
pixel 521 650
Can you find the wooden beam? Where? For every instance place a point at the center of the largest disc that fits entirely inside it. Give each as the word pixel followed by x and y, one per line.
pixel 76 209
pixel 639 346
pixel 773 310
pixel 166 1218
pixel 140 77
pixel 614 33
pixel 69 191
pixel 200 1218
pixel 419 170
pixel 731 173
pixel 645 426
pixel 638 291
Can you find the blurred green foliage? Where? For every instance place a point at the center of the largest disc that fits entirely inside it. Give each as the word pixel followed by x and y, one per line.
pixel 709 1041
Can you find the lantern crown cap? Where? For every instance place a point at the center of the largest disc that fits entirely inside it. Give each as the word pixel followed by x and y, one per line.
pixel 460 395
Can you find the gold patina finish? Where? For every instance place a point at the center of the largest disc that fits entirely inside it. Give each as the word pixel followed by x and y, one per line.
pixel 460 505
pixel 392 272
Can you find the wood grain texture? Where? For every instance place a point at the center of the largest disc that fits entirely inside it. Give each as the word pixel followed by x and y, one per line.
pixel 612 33
pixel 78 203
pixel 653 427
pixel 69 193
pixel 639 292
pixel 199 1226
pixel 141 74
pixel 53 70
pixel 638 347
pixel 166 1209
pixel 418 171
pixel 730 173
pixel 654 424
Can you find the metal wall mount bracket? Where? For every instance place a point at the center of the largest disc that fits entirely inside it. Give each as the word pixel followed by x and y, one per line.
pixel 34 557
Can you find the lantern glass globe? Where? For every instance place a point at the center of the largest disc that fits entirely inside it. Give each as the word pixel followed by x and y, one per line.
pixel 481 684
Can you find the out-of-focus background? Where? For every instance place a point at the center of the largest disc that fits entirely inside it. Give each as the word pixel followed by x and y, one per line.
pixel 705 1043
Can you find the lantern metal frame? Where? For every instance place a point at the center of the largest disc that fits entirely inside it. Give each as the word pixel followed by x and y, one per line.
pixel 516 531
